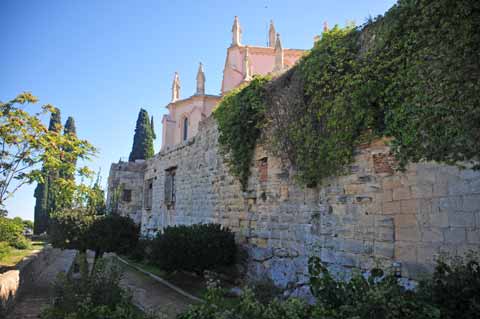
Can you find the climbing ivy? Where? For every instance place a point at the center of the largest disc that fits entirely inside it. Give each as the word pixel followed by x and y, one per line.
pixel 412 75
pixel 240 117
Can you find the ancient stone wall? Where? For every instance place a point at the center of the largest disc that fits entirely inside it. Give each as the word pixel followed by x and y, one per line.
pixel 372 216
pixel 14 282
pixel 126 177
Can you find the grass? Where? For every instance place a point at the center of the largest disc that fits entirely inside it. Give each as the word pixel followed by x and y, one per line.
pixel 190 283
pixel 148 267
pixel 16 255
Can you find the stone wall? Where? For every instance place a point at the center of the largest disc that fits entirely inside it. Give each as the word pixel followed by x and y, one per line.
pixel 13 282
pixel 126 176
pixel 372 216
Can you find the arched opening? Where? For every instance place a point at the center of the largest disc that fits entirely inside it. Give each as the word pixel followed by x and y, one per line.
pixel 185 128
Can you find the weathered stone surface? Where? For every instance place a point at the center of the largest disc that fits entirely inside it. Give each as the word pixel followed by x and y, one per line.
pixel 371 215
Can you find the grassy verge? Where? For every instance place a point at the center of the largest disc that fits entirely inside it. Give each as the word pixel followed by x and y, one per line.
pixel 16 255
pixel 188 282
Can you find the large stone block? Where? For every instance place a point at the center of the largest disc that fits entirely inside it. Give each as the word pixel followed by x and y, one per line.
pixel 455 235
pixel 401 193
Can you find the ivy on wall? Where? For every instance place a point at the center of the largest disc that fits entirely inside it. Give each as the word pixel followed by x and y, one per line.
pixel 413 75
pixel 240 117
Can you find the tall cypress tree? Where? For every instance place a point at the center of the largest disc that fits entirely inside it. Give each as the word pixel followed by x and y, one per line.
pixel 70 127
pixel 153 128
pixel 42 200
pixel 143 139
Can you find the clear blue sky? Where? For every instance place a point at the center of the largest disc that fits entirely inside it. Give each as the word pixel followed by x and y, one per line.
pixel 101 60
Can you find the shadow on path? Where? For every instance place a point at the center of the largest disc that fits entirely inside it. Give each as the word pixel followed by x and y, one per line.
pixel 37 295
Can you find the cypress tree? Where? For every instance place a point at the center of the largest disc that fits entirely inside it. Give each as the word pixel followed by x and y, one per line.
pixel 40 210
pixel 70 127
pixel 55 121
pixel 153 128
pixel 42 200
pixel 143 139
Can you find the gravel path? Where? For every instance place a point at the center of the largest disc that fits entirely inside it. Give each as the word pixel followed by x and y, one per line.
pixel 37 296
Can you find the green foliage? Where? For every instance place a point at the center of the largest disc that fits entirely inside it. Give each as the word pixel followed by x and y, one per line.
pixel 95 295
pixel 83 229
pixel 331 108
pixel 112 233
pixel 95 201
pixel 378 296
pixel 11 232
pixel 143 138
pixel 70 127
pixel 412 75
pixel 143 250
pixel 194 248
pixel 240 117
pixel 152 125
pixel 246 307
pixel 69 229
pixel 455 287
pixel 5 249
pixel 432 48
pixel 32 153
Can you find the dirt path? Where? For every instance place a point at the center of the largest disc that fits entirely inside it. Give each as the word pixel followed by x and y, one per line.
pixel 37 296
pixel 153 296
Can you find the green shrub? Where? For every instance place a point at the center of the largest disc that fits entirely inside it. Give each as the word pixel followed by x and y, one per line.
pixel 143 250
pixel 455 287
pixel 82 230
pixel 68 229
pixel 5 249
pixel 378 296
pixel 246 307
pixel 112 233
pixel 21 242
pixel 10 229
pixel 95 295
pixel 194 248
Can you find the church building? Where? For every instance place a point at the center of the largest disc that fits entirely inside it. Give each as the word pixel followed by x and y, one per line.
pixel 241 64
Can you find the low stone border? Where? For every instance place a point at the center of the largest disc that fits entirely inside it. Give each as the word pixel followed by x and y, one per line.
pixel 17 279
pixel 162 281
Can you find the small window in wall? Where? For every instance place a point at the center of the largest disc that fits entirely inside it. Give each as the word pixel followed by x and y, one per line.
pixel 185 128
pixel 148 194
pixel 127 195
pixel 170 187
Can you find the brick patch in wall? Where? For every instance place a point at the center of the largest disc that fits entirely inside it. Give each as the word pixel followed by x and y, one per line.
pixel 383 163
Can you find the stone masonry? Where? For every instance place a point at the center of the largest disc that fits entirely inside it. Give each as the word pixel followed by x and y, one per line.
pixel 372 216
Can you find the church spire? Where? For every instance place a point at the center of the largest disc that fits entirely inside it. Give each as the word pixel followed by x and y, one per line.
pixel 176 88
pixel 200 80
pixel 271 35
pixel 278 55
pixel 246 66
pixel 236 32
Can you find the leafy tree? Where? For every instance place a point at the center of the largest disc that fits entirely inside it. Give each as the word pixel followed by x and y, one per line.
pixel 25 144
pixel 143 138
pixel 96 199
pixel 68 229
pixel 112 233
